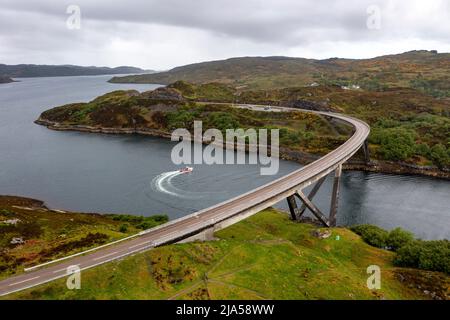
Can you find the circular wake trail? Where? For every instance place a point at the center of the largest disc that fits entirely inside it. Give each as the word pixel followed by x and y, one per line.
pixel 162 183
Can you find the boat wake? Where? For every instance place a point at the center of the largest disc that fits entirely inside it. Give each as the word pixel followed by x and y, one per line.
pixel 163 183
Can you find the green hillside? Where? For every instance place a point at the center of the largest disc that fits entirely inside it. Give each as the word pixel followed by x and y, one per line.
pixel 428 71
pixel 43 234
pixel 266 256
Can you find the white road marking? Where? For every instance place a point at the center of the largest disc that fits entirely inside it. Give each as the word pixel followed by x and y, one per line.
pixel 65 269
pixel 140 244
pixel 106 255
pixel 15 283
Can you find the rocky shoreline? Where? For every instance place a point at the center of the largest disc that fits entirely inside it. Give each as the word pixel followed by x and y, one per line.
pixel 285 153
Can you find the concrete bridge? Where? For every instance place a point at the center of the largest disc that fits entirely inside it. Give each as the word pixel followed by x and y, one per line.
pixel 202 224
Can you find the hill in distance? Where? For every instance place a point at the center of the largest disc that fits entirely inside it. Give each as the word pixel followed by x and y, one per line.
pixel 33 70
pixel 418 69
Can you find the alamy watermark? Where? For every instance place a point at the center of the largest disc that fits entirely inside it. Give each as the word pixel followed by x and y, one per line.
pixel 74 278
pixel 217 153
pixel 374 280
pixel 73 22
pixel 373 21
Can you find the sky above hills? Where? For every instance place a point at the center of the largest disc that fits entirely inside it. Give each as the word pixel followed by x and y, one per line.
pixel 166 33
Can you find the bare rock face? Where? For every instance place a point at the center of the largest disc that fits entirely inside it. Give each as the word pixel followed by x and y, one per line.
pixel 321 234
pixel 17 241
pixel 164 95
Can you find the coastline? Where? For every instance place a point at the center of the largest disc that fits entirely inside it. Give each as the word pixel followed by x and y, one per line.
pixel 375 166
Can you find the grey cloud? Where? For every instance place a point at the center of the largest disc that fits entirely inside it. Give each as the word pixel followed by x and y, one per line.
pixel 274 26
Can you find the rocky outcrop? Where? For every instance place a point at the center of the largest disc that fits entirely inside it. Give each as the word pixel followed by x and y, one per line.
pixel 96 129
pixel 164 94
pixel 5 79
pixel 321 233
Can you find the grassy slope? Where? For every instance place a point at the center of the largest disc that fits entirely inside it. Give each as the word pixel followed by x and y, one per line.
pixel 264 257
pixel 50 234
pixel 416 68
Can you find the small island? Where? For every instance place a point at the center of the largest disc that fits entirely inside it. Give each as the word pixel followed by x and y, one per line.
pixel 5 79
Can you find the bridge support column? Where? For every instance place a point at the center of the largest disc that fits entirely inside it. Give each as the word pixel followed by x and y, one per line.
pixel 366 151
pixel 311 196
pixel 311 206
pixel 335 195
pixel 292 207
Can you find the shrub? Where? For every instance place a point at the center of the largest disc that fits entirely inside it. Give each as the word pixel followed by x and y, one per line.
pixel 398 237
pixel 395 143
pixel 222 121
pixel 427 255
pixel 180 119
pixel 422 149
pixel 372 235
pixel 91 239
pixel 123 228
pixel 7 213
pixel 140 222
pixel 440 155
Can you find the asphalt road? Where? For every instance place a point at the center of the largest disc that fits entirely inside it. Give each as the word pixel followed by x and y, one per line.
pixel 184 227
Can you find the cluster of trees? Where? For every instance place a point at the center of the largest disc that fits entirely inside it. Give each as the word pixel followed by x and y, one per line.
pixel 218 120
pixel 399 142
pixel 290 137
pixel 410 252
pixel 395 143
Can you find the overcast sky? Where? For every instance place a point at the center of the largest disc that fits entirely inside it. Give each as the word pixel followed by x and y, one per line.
pixel 161 34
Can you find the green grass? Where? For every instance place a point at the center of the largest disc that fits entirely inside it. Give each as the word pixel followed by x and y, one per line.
pixel 264 257
pixel 50 234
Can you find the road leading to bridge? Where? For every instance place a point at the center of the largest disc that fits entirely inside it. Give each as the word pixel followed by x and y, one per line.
pixel 219 216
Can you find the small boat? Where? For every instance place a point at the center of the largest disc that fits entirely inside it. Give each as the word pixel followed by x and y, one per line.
pixel 186 170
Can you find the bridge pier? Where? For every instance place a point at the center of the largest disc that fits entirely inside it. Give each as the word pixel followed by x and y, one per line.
pixel 311 206
pixel 335 195
pixel 307 203
pixel 366 151
pixel 292 207
pixel 311 196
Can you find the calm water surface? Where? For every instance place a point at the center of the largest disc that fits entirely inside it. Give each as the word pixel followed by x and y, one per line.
pixel 132 174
